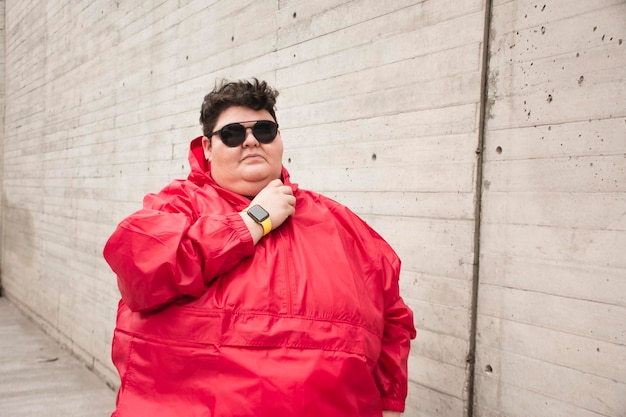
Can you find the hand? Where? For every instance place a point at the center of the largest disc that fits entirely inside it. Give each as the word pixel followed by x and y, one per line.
pixel 278 200
pixel 387 413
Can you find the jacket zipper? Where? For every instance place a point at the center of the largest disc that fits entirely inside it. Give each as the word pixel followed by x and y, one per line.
pixel 284 250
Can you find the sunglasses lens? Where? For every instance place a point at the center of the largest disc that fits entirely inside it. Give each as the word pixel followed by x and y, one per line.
pixel 233 135
pixel 265 131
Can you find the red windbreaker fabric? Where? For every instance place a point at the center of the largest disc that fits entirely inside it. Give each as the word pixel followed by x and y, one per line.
pixel 309 322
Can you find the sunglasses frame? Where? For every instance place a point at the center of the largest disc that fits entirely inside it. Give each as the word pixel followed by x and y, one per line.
pixel 228 142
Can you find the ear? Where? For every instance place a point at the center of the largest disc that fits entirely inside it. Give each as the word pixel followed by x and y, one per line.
pixel 206 146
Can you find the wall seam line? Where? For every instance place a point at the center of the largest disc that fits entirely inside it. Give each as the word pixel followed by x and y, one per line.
pixel 484 94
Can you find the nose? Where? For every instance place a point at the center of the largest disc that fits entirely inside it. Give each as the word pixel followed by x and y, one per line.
pixel 249 140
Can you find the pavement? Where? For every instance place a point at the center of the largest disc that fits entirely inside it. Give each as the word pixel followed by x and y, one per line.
pixel 39 378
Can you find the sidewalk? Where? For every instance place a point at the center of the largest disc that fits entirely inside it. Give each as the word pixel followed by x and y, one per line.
pixel 38 378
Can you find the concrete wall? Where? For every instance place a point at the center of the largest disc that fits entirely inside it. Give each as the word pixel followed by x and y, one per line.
pixel 552 296
pixel 396 109
pixel 2 106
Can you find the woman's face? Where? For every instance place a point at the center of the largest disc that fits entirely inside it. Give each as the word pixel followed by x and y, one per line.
pixel 248 168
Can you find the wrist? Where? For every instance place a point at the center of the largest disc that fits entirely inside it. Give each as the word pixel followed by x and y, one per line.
pixel 255 229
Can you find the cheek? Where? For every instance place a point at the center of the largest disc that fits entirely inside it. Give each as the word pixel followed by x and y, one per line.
pixel 277 151
pixel 224 155
pixel 222 162
pixel 278 155
pixel 275 161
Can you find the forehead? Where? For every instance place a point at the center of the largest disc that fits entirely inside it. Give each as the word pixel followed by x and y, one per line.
pixel 237 114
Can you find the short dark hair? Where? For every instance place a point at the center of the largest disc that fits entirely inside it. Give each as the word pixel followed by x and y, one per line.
pixel 253 94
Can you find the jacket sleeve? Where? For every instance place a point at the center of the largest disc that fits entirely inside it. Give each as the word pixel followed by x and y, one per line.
pixel 165 251
pixel 391 372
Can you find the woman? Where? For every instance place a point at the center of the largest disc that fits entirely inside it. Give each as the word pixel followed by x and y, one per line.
pixel 243 295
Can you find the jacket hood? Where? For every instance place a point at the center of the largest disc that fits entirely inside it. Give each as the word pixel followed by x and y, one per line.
pixel 201 168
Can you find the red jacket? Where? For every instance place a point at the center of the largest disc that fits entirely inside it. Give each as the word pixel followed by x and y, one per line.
pixel 309 322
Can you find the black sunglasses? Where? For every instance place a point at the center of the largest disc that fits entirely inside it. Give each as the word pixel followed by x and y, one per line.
pixel 234 134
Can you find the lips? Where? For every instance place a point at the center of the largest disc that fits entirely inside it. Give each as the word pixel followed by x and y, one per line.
pixel 252 156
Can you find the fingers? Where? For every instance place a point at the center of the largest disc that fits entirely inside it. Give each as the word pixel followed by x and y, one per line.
pixel 280 187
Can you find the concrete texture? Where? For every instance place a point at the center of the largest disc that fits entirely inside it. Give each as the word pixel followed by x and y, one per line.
pixel 39 378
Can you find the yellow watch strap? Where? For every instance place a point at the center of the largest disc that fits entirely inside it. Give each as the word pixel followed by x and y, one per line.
pixel 267 226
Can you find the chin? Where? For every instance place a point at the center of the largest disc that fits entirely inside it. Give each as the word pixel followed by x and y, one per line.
pixel 260 175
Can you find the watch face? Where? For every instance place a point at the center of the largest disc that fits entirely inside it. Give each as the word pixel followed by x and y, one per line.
pixel 258 213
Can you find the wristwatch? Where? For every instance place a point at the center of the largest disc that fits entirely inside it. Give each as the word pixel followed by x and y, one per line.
pixel 261 216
